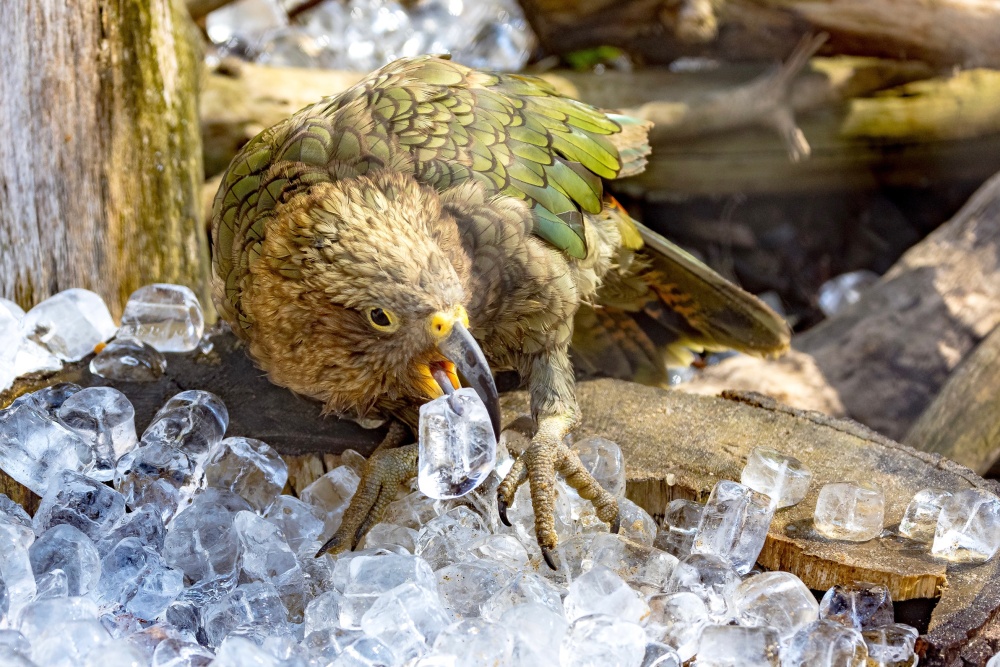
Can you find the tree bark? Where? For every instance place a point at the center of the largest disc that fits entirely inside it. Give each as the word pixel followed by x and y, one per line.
pixel 100 163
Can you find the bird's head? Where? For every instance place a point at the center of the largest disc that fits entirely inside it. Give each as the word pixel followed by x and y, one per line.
pixel 359 296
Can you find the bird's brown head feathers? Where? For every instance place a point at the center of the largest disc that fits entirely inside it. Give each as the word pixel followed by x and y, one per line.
pixel 357 282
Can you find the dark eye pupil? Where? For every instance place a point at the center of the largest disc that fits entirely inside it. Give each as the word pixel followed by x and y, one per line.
pixel 379 317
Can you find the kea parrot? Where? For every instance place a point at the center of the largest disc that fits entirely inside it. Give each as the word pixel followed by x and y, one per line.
pixel 435 222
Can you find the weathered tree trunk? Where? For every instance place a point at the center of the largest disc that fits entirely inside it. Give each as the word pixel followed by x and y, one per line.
pixel 948 32
pixel 100 156
pixel 963 422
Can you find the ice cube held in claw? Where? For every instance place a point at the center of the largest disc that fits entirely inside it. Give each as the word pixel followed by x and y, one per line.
pixel 458 448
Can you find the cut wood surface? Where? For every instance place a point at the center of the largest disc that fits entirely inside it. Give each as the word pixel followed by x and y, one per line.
pixel 100 161
pixel 963 421
pixel 964 33
pixel 676 446
pixel 889 355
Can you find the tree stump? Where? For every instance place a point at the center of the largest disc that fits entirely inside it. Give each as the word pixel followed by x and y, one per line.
pixel 676 446
pixel 101 157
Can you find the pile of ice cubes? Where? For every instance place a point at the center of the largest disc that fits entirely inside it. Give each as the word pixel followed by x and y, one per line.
pixel 363 35
pixel 75 323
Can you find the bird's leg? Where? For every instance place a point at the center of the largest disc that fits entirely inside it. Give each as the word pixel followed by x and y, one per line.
pixel 389 466
pixel 554 407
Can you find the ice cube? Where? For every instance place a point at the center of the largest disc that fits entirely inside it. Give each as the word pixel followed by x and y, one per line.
pixel 680 525
pixel 129 360
pixel 34 448
pixel 250 468
pixel 69 324
pixel 466 587
pixel 81 502
pixel 193 421
pixel 167 317
pixel 368 577
pixel 476 642
pixel 254 608
pixel 825 644
pixel 18 355
pixel 64 547
pixel 408 618
pixel 239 651
pixel 388 536
pixel 734 525
pixel 784 479
pixel 457 450
pixel 413 510
pixel 202 541
pixel 33 358
pixel 13 639
pixel 9 308
pixel 52 584
pixel 734 646
pixel 331 494
pixel 603 459
pixel 48 400
pixel 444 539
pixel 299 522
pixel 503 549
pixel 155 474
pixel 891 645
pixel 10 342
pixel 69 644
pixel 367 652
pixel 13 658
pixel 849 511
pixel 116 655
pixel 15 571
pixel 860 606
pixel 322 612
pixel 636 523
pixel 968 529
pixel 601 591
pixel 844 290
pixel 135 576
pixel 247 19
pixel 267 557
pixel 921 516
pixel 599 640
pixel 537 631
pixel 14 519
pixel 525 588
pixel 710 578
pixel 42 615
pixel 776 599
pixel 105 419
pixel 660 655
pixel 144 523
pixel 677 619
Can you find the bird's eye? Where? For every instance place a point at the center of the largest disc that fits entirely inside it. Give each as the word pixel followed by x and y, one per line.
pixel 382 319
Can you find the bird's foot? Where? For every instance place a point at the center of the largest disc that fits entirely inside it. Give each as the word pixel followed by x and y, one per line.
pixel 538 465
pixel 384 471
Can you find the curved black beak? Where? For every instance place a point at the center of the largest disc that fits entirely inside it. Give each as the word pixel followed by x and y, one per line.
pixel 461 349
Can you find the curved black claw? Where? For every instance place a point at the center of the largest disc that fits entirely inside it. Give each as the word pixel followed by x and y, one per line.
pixel 331 545
pixel 502 510
pixel 551 559
pixel 616 525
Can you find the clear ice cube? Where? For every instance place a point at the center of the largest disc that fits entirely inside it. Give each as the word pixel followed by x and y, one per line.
pixel 525 588
pixel 331 494
pixel 710 578
pixel 255 609
pixel 65 548
pixel 680 525
pixel 776 599
pixel 34 448
pixel 891 645
pixel 129 360
pixel 202 541
pixel 408 618
pixel 457 450
pixel 105 419
pixel 389 535
pixel 599 640
pixel 735 646
pixel 443 539
pixel 601 591
pixel 10 342
pixel 145 523
pixel 661 655
pixel 193 421
pixel 849 511
pixel 603 459
pixel 237 651
pixel 81 502
pixel 249 468
pixel 476 642
pixel 15 572
pixel 921 515
pixel 636 523
pixel 677 619
pixel 537 631
pixel 136 577
pixel 300 523
pixel 267 557
pixel 42 615
pixel 322 612
pixel 69 644
pixel 968 528
pixel 825 644
pixel 52 584
pixel 466 587
pixel 782 478
pixel 734 525
pixel 369 576
pixel 167 317
pixel 14 519
pixel 154 474
pixel 69 324
pixel 860 605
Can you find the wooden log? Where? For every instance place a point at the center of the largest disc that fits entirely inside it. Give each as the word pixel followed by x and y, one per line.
pixel 963 421
pixel 101 156
pixel 676 446
pixel 889 355
pixel 964 33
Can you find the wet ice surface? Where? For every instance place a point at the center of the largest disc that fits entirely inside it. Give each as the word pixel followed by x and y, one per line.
pixel 458 448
